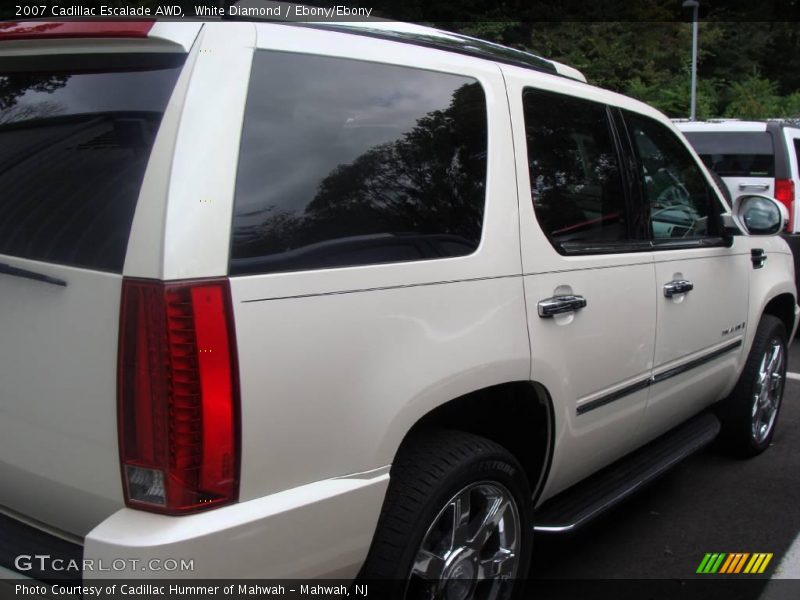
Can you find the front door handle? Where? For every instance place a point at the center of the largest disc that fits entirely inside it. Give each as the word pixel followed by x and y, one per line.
pixel 557 305
pixel 758 257
pixel 677 286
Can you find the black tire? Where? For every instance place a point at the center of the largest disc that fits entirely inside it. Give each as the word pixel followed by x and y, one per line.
pixel 431 469
pixel 739 435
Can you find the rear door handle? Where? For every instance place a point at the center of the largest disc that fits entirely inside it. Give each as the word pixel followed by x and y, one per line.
pixel 558 305
pixel 753 186
pixel 677 286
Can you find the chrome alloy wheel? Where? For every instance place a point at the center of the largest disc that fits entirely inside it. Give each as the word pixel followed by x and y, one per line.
pixel 768 391
pixel 471 549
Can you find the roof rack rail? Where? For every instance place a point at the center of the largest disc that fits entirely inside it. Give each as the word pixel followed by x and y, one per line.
pixel 417 35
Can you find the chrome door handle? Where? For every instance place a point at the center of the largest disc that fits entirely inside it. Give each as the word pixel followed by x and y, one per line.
pixel 753 186
pixel 677 286
pixel 758 257
pixel 558 305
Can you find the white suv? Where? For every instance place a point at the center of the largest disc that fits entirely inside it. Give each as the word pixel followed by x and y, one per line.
pixel 290 301
pixel 759 157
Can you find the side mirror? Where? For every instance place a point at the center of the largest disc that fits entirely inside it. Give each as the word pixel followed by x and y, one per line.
pixel 760 215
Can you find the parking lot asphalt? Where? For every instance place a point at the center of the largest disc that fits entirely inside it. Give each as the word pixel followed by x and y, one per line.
pixel 709 503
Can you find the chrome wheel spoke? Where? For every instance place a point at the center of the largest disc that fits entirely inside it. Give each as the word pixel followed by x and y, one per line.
pixel 490 522
pixel 461 517
pixel 501 564
pixel 774 360
pixel 428 565
pixel 757 420
pixel 775 382
pixel 475 537
pixel 767 391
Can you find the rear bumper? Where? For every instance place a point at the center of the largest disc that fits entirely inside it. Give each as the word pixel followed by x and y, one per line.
pixel 29 551
pixel 320 530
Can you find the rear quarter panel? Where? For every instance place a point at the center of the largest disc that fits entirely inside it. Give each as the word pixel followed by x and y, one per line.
pixel 337 365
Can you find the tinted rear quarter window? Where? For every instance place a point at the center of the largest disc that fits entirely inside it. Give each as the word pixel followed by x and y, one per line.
pixel 735 153
pixel 346 163
pixel 74 145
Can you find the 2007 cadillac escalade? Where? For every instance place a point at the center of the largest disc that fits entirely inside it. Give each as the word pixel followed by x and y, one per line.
pixel 308 300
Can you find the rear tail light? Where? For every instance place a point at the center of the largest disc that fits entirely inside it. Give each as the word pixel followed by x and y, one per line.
pixel 178 405
pixel 31 30
pixel 784 193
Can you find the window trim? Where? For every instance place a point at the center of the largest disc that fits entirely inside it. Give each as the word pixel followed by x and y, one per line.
pixel 660 245
pixel 598 248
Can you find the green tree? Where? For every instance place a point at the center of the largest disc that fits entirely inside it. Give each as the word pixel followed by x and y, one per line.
pixel 753 98
pixel 790 106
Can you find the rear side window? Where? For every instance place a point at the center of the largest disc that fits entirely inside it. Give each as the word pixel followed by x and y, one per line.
pixel 576 185
pixel 74 144
pixel 735 153
pixel 346 163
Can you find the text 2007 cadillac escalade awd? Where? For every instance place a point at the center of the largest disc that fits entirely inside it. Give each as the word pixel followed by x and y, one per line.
pixel 297 301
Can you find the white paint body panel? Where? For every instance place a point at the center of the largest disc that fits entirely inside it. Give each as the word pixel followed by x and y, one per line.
pixel 58 432
pixel 382 360
pixel 691 325
pixel 267 538
pixel 188 190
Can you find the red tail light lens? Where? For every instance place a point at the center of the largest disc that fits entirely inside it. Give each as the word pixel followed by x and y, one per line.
pixel 784 193
pixel 30 30
pixel 178 402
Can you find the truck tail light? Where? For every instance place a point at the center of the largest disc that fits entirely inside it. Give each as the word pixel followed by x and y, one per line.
pixel 177 395
pixel 784 193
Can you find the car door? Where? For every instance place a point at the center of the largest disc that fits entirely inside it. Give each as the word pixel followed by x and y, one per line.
pixel 701 278
pixel 589 283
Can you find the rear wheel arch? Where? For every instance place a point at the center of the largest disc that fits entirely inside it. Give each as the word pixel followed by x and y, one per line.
pixel 516 415
pixel 456 519
pixel 782 307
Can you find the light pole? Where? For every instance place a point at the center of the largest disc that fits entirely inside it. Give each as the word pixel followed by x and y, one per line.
pixel 693 4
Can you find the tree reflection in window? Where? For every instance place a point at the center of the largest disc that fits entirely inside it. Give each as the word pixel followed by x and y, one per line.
pixel 417 195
